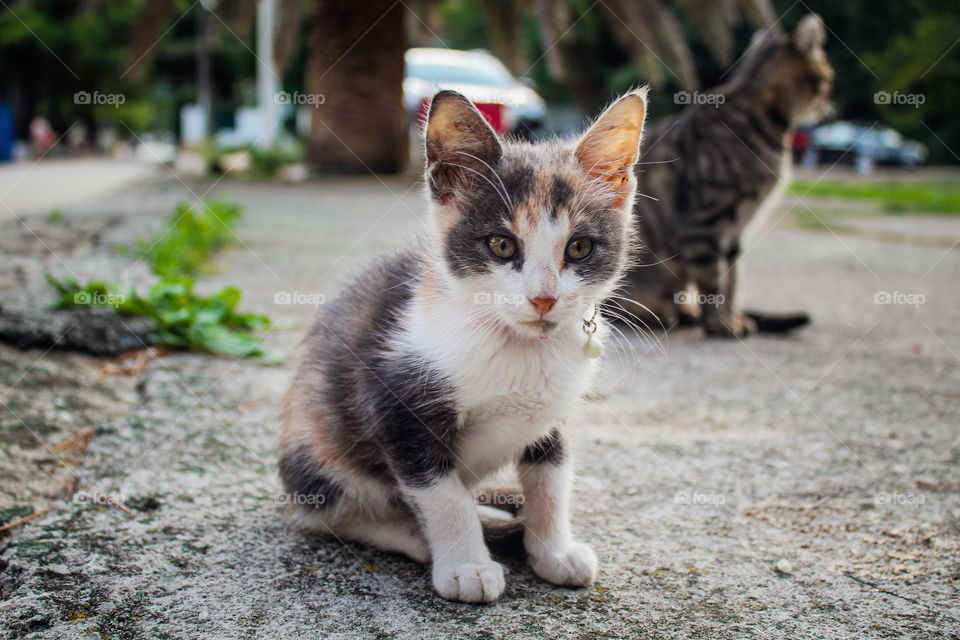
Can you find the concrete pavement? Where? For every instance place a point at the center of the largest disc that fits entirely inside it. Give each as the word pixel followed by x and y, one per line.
pixel 29 187
pixel 703 467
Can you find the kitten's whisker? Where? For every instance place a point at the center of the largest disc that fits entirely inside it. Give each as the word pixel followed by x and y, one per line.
pixel 622 340
pixel 653 264
pixel 503 198
pixel 615 296
pixel 638 331
pixel 401 284
pixel 646 336
pixel 592 186
pixel 496 175
pixel 656 162
pixel 637 320
pixel 646 333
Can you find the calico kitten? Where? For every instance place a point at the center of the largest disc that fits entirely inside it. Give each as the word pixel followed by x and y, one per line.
pixel 708 171
pixel 445 362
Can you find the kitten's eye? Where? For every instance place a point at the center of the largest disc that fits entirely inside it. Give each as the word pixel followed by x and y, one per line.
pixel 579 249
pixel 502 247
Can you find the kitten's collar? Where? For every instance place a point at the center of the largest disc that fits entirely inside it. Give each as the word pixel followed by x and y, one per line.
pixel 592 347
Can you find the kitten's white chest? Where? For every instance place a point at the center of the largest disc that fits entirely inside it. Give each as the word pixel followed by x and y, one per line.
pixel 514 398
pixel 511 392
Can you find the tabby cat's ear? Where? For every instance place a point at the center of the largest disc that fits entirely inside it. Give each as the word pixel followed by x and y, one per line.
pixel 810 34
pixel 610 148
pixel 461 146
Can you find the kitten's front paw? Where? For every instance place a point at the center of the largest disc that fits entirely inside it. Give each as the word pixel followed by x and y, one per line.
pixel 469 582
pixel 575 566
pixel 735 326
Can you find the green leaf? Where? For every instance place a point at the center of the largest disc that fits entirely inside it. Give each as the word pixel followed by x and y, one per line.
pixel 184 319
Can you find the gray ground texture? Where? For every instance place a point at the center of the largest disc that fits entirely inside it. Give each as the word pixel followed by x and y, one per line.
pixel 703 464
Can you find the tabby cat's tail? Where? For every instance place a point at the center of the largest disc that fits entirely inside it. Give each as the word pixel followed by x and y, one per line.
pixel 778 323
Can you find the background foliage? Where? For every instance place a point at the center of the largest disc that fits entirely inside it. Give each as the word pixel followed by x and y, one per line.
pixel 874 45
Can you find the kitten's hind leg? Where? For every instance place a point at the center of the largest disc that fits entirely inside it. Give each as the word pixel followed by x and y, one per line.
pixel 328 499
pixel 376 523
pixel 397 535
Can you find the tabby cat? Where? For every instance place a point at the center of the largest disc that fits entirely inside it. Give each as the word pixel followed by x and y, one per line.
pixel 447 361
pixel 708 171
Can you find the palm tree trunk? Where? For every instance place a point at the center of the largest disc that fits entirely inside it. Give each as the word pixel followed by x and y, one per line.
pixel 148 28
pixel 356 63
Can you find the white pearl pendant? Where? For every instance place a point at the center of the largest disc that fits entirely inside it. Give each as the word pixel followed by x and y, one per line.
pixel 592 348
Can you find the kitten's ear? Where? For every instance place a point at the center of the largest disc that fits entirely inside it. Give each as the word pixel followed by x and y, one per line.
pixel 810 34
pixel 610 148
pixel 461 146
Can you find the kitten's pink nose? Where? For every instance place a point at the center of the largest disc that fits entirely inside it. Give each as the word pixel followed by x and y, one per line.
pixel 542 305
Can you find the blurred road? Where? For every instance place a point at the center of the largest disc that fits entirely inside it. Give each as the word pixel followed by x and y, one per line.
pixel 38 187
pixel 804 487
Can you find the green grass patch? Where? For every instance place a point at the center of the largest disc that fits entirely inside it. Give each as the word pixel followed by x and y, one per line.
pixel 267 163
pixel 193 234
pixel 894 197
pixel 815 221
pixel 184 319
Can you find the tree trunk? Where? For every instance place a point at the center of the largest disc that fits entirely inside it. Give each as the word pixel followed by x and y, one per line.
pixel 356 64
pixel 148 28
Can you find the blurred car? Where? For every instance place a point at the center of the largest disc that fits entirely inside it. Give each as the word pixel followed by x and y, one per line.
pixel 509 105
pixel 863 146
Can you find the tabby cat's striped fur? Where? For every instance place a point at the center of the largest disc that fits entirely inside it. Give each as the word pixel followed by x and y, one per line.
pixel 708 171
